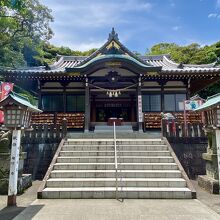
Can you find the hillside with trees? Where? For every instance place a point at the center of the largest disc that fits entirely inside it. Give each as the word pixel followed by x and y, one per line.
pixel 192 54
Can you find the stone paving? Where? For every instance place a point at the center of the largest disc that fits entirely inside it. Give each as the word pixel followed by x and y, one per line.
pixel 133 209
pixel 23 201
pixel 210 200
pixel 205 207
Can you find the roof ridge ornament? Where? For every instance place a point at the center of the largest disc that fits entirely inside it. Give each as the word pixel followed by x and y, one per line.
pixel 113 35
pixel 180 66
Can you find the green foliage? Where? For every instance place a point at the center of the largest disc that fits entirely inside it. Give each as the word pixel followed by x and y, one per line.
pixel 23 23
pixel 48 53
pixel 193 53
pixel 211 90
pixel 25 93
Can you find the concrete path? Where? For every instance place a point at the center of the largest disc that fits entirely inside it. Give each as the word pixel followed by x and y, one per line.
pixel 115 210
pixel 204 209
pixel 23 201
pixel 211 200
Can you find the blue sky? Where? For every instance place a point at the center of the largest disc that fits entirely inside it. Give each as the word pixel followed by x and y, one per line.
pixel 85 24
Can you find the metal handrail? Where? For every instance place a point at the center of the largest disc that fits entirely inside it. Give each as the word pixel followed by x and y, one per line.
pixel 116 161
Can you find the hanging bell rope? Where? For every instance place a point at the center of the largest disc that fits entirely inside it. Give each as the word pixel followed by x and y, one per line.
pixel 113 92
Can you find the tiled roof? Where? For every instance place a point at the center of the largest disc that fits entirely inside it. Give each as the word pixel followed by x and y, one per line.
pixel 21 100
pixel 163 61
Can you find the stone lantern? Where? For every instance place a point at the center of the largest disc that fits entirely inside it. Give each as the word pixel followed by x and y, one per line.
pixel 17 111
pixel 211 109
pixel 17 115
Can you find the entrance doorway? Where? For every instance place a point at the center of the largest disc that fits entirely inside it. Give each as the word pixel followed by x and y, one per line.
pixel 104 109
pixel 113 110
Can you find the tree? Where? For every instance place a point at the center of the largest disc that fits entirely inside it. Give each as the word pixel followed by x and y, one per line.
pixel 23 23
pixel 193 54
pixel 49 53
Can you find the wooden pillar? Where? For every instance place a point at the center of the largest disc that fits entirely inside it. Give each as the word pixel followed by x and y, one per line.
pixel 188 89
pixel 132 109
pixel 162 98
pixel 187 83
pixel 93 113
pixel 39 95
pixel 64 98
pixel 162 83
pixel 87 106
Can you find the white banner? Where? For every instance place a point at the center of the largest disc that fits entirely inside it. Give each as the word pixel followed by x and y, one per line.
pixel 140 113
pixel 192 104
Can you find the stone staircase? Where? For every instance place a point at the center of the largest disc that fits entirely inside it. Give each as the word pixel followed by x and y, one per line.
pixel 85 168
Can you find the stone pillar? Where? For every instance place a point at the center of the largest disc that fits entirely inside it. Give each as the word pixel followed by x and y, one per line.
pixel 87 106
pixel 13 175
pixel 217 135
pixel 210 180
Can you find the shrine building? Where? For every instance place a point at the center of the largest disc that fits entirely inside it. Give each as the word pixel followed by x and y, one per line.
pixel 113 83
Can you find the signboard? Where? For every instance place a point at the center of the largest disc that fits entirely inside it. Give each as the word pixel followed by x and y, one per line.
pixel 151 74
pixel 140 113
pixel 113 64
pixel 5 87
pixel 192 104
pixel 74 74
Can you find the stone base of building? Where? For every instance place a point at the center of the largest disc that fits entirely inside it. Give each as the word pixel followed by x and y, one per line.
pixel 209 184
pixel 23 183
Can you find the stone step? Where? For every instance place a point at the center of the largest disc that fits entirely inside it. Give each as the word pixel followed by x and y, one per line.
pixel 111 153
pixel 111 159
pixel 110 140
pixel 111 147
pixel 111 182
pixel 111 166
pixel 111 173
pixel 123 192
pixel 95 143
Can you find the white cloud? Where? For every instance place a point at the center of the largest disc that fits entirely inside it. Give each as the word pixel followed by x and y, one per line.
pixel 212 15
pixel 172 4
pixel 97 14
pixel 176 28
pixel 85 46
pixel 77 21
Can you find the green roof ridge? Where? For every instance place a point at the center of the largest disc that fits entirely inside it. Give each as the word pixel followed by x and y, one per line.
pixel 213 96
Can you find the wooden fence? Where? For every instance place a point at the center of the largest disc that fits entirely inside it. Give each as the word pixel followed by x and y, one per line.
pixel 41 133
pixel 180 130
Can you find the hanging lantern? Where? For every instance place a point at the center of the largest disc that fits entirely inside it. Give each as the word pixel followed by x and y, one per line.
pixel 110 94
pixel 116 94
